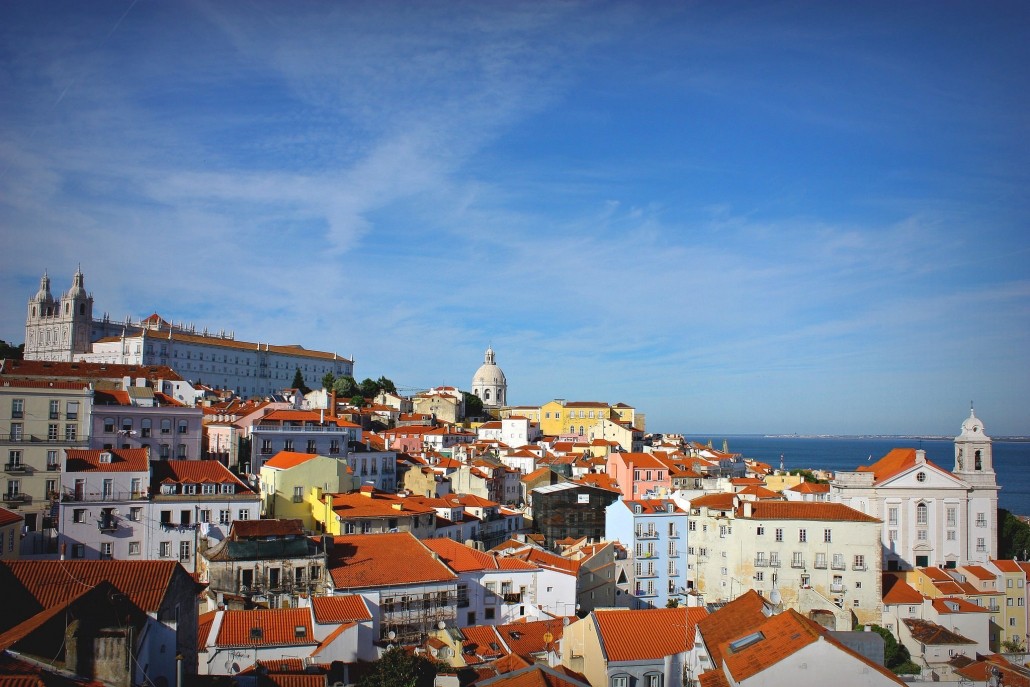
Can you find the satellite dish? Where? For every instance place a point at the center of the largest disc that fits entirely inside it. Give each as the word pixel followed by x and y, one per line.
pixel 391 635
pixel 775 597
pixel 441 625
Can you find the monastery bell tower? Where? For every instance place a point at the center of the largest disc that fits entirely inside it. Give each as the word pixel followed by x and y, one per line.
pixel 974 461
pixel 57 329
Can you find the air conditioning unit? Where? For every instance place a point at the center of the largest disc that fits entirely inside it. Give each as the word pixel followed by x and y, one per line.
pixel 244 588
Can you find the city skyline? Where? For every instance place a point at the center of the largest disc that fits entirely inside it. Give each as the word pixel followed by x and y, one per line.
pixel 742 218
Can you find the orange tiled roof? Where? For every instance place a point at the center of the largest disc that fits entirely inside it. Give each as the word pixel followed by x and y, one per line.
pixel 926 632
pixel 53 582
pixel 783 635
pixel 811 488
pixel 359 504
pixel 720 501
pixel 265 627
pixel 537 675
pixel 895 462
pixel 461 558
pixel 194 472
pixel 947 605
pixel 648 634
pixel 804 510
pixel 527 638
pixel 1007 566
pixel 8 517
pixel 83 370
pixel 245 529
pixel 758 492
pixel 359 561
pixel 340 609
pixel 285 460
pixel 979 572
pixel 122 460
pixel 897 592
pixel 747 610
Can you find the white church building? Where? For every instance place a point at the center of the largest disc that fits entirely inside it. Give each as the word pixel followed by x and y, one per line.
pixel 931 516
pixel 64 329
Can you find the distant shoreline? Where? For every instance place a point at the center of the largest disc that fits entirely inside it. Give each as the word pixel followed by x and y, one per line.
pixel 907 437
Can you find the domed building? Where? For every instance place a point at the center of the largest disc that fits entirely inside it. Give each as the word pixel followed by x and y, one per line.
pixel 489 383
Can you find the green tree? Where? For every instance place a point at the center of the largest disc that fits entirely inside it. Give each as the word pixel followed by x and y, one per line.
pixel 11 351
pixel 1013 536
pixel 357 401
pixel 1013 645
pixel 345 386
pixel 298 382
pixel 328 380
pixel 808 476
pixel 397 668
pixel 385 384
pixel 368 388
pixel 473 404
pixel 895 655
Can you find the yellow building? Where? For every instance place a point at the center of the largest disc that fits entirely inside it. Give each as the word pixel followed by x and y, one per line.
pixel 292 484
pixel 582 419
pixel 1012 581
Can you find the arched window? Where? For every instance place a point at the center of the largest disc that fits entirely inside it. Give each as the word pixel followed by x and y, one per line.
pixel 922 514
pixel 977 460
pixel 581 430
pixel 486 394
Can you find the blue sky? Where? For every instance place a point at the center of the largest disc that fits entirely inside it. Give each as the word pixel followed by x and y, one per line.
pixel 737 217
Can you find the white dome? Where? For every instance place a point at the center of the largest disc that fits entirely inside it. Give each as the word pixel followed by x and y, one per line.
pixel 488 375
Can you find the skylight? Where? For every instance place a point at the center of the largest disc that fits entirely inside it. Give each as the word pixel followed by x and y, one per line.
pixel 745 642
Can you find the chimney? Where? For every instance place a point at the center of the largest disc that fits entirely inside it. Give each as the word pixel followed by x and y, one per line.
pixel 920 456
pixel 332 404
pixel 747 509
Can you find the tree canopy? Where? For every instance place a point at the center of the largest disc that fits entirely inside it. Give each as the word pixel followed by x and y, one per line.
pixel 298 382
pixel 397 668
pixel 1013 537
pixel 11 351
pixel 473 404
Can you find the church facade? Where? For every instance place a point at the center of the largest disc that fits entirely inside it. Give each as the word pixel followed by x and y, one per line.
pixel 931 516
pixel 64 329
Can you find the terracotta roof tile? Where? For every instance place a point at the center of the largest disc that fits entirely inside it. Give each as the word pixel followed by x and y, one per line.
pixel 805 510
pixel 781 636
pixel 8 517
pixel 461 558
pixel 894 463
pixel 647 634
pixel 245 529
pixel 360 561
pixel 193 472
pixel 947 605
pixel 288 459
pixel 927 632
pixel 52 582
pixel 897 592
pixel 340 609
pixel 266 627
pixel 747 610
pixel 121 460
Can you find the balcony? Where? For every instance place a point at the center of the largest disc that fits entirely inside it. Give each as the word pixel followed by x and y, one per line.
pixel 512 598
pixel 303 429
pixel 797 563
pixel 107 524
pixel 53 467
pixel 102 495
pixel 19 438
pixel 179 527
pixel 820 565
pixel 837 588
pixel 10 497
pixel 859 566
pixel 761 562
pixel 647 534
pixel 16 468
pixel 774 563
pixel 838 565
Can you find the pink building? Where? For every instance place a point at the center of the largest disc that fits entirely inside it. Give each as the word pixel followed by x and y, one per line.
pixel 639 475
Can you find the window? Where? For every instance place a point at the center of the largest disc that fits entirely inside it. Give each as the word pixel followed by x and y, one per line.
pixel 184 551
pixel 311 446
pixel 189 488
pixel 653 680
pixel 798 560
pixel 952 516
pixel 692 526
pixel 17 407
pixel 204 516
pixel 828 536
pixel 802 535
pixel 183 426
pixel 127 424
pixel 166 426
pixel 72 410
pixel 144 427
pixel 181 451
pixel 53 431
pixel 760 576
pixel 14 459
pixel 288 445
pixel 951 535
pixel 223 517
pixel 136 513
pixel 820 560
pixel 619 681
pixel 859 562
pixel 55 410
pixel 78 550
pixel 79 515
pixel 228 488
pixel 981 520
pixel 892 535
pixel 922 535
pixel 298 494
pixel 779 534
pixel 761 530
pixel 166 549
pixel 106 550
pixel 922 516
pixel 208 488
pixel 981 544
pixel 71 432
pixel 165 451
pixel 108 425
pixel 244 514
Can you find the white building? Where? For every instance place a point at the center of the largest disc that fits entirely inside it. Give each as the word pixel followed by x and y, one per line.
pixel 931 517
pixel 64 329
pixel 489 382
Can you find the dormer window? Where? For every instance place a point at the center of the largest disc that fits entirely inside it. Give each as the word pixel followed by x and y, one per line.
pixel 105 457
pixel 228 488
pixel 207 488
pixel 300 632
pixel 636 508
pixel 167 489
pixel 189 488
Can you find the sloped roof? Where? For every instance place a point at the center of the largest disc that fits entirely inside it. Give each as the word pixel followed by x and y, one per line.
pixel 265 627
pixel 628 635
pixel 245 529
pixel 719 501
pixel 194 472
pixel 946 605
pixel 927 632
pixel 285 460
pixel 897 592
pixel 528 638
pixel 52 582
pixel 8 517
pixel 340 609
pixel 536 675
pixel 360 561
pixel 894 463
pixel 122 460
pixel 811 488
pixel 722 625
pixel 463 558
pixel 806 510
pixel 781 636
